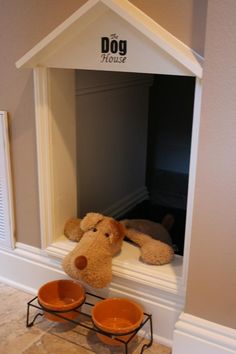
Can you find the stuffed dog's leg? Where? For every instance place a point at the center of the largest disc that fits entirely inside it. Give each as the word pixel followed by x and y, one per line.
pixel 152 251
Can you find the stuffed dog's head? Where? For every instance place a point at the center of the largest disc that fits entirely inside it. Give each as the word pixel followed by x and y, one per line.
pixel 91 259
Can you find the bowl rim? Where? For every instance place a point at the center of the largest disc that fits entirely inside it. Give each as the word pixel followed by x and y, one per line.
pixel 118 330
pixel 65 307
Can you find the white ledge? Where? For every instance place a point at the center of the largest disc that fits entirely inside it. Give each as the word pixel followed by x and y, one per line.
pixel 127 265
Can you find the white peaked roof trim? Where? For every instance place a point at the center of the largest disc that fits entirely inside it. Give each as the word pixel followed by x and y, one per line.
pixel 136 18
pixel 157 34
pixel 25 61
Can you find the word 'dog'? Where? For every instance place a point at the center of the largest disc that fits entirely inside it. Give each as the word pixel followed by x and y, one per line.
pixel 114 46
pixel 113 50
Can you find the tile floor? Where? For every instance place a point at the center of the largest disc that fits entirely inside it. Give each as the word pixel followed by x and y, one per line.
pixel 47 337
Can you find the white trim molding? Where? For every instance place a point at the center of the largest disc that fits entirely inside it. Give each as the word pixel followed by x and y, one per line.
pixel 7 224
pixel 145 80
pixel 192 176
pixel 43 119
pixel 198 336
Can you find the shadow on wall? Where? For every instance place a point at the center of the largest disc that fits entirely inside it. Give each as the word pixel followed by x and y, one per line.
pixel 199 17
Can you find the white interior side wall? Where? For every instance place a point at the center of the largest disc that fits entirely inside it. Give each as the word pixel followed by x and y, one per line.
pixel 63 144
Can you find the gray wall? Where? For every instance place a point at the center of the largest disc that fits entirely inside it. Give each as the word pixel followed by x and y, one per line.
pixel 212 269
pixel 112 116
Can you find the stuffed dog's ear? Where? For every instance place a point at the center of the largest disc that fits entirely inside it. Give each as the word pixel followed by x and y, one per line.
pixel 117 232
pixel 72 229
pixel 90 221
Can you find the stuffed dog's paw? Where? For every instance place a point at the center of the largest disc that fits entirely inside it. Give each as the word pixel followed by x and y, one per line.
pixel 156 252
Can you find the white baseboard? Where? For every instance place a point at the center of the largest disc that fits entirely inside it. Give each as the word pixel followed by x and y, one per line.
pixel 127 203
pixel 27 268
pixel 198 336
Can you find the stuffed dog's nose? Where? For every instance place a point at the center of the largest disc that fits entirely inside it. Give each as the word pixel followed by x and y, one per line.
pixel 81 262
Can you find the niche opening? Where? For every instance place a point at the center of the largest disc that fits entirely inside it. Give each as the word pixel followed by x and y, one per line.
pixel 133 146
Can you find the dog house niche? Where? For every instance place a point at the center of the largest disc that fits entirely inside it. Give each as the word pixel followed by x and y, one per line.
pixel 103 35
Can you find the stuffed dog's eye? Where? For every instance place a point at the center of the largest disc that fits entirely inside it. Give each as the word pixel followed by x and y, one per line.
pixel 107 234
pixel 94 230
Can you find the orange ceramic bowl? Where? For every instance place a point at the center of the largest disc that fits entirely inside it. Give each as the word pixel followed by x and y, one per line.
pixel 61 295
pixel 116 315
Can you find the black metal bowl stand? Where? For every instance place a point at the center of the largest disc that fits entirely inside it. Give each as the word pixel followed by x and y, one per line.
pixel 33 303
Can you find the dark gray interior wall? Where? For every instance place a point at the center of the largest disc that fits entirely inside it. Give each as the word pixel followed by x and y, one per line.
pixel 170 123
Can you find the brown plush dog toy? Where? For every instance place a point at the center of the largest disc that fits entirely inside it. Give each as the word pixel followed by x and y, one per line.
pixel 100 238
